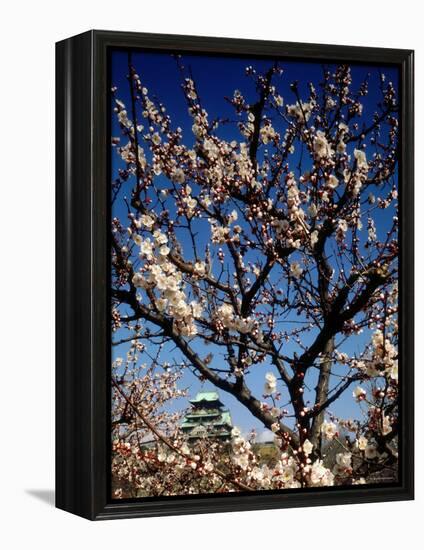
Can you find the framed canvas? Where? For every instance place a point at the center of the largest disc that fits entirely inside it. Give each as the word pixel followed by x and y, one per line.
pixel 234 275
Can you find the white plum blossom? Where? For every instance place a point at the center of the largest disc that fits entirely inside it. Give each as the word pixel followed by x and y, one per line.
pixel 267 133
pixel 279 100
pixel 320 475
pixel 138 280
pixel 342 226
pixel 156 139
pixel 302 112
pixel 307 447
pixel 314 238
pixel 386 425
pixel 225 313
pixel 146 247
pixel 161 456
pixel 371 451
pixel 384 355
pixel 160 238
pixel 270 384
pixel 147 221
pixel 332 182
pixel 359 393
pixel 359 481
pixel 219 234
pixel 233 216
pixel 196 309
pixel 313 210
pixel 322 148
pixel 178 175
pixel 362 443
pixel 361 158
pixel 393 371
pixel 343 464
pixel 243 325
pixel 199 268
pixel 235 432
pixel 164 250
pixel 137 239
pixel 344 459
pixel 329 430
pixel 296 270
pixel 123 119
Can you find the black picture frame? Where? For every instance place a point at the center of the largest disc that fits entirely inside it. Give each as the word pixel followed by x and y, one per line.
pixel 82 266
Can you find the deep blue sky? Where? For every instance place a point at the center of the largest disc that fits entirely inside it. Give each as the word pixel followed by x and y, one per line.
pixel 217 78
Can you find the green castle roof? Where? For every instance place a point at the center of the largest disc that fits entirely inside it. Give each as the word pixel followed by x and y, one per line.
pixel 203 414
pixel 209 396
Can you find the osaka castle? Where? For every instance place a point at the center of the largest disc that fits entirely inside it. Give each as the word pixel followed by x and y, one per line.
pixel 207 418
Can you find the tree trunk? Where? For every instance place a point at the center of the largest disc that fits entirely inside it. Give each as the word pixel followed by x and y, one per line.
pixel 322 392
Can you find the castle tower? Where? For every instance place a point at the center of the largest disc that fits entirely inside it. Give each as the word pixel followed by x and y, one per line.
pixel 207 418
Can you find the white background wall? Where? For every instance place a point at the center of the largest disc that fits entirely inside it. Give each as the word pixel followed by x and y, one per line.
pixel 29 30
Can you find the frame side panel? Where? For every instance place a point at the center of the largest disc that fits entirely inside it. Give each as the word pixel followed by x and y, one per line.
pixel 406 324
pixel 73 272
